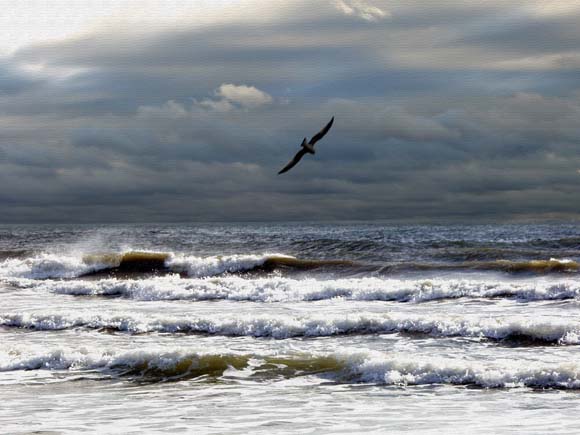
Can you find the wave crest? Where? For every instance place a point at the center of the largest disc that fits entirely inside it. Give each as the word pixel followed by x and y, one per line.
pixel 349 366
pixel 282 289
pixel 141 264
pixel 132 263
pixel 513 329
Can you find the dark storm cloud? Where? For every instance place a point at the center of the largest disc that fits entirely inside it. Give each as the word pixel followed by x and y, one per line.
pixel 524 35
pixel 443 110
pixel 14 80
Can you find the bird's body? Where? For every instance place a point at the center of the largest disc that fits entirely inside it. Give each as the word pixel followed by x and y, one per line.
pixel 307 147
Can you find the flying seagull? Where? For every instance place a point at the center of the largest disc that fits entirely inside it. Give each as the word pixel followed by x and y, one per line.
pixel 307 147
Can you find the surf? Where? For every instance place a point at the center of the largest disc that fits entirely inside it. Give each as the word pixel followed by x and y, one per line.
pixel 272 289
pixel 347 367
pixel 511 330
pixel 143 264
pixel 132 264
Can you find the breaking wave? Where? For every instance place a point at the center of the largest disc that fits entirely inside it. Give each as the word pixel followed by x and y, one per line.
pixel 136 264
pixel 513 329
pixel 348 366
pixel 282 289
pixel 45 266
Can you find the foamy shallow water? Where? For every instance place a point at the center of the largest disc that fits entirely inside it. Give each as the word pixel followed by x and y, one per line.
pixel 289 328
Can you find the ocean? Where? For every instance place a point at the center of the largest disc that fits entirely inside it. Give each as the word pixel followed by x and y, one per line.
pixel 290 328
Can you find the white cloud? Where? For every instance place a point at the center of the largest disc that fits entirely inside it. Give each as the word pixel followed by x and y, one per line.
pixel 230 97
pixel 362 9
pixel 236 96
pixel 245 96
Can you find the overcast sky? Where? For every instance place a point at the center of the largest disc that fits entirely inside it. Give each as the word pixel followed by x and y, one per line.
pixel 134 110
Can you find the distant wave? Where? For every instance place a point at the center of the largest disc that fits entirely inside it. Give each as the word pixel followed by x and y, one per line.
pixel 565 242
pixel 446 250
pixel 283 289
pixel 553 265
pixel 513 328
pixel 14 253
pixel 346 367
pixel 135 264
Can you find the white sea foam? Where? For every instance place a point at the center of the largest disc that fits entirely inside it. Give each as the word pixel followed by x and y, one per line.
pixel 409 370
pixel 278 289
pixel 209 266
pixel 285 326
pixel 47 266
pixel 351 366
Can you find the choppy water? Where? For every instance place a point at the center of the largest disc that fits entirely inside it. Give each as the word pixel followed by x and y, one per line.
pixel 338 328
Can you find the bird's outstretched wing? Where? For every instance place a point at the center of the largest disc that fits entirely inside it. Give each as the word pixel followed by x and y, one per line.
pixel 293 162
pixel 321 133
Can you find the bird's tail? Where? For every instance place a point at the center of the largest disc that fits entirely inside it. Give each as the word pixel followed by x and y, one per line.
pixel 304 142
